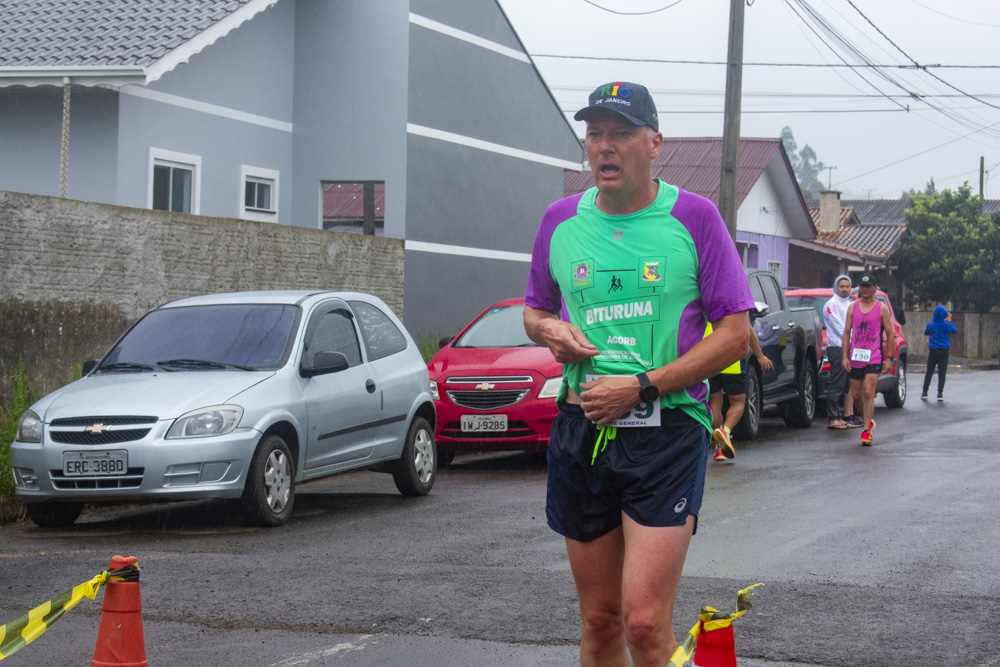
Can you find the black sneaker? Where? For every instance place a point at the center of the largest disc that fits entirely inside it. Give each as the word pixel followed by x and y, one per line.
pixel 923 396
pixel 940 398
pixel 853 421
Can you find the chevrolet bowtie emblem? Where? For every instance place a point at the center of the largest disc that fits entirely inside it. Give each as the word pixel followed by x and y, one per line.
pixel 97 429
pixel 485 386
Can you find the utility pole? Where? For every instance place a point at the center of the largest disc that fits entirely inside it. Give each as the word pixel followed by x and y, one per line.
pixel 731 124
pixel 982 169
pixel 829 178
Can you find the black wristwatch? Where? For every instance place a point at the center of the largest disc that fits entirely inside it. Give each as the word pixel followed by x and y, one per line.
pixel 648 392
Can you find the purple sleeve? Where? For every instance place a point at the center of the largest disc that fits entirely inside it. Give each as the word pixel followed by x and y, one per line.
pixel 542 291
pixel 721 279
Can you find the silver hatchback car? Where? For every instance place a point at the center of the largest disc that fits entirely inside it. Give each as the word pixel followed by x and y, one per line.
pixel 239 396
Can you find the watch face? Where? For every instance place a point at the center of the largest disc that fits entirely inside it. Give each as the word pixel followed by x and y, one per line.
pixel 649 393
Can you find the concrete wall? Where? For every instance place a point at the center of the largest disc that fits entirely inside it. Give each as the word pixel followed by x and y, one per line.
pixel 977 336
pixel 74 275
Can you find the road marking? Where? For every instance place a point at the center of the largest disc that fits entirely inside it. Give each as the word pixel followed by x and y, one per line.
pixel 312 656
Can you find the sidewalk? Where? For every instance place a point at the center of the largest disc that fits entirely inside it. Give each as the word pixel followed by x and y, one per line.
pixel 916 362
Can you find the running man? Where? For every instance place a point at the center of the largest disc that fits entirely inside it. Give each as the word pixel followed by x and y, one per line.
pixel 623 279
pixel 733 380
pixel 867 320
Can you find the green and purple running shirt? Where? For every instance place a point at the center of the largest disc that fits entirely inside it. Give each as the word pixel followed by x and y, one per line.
pixel 641 287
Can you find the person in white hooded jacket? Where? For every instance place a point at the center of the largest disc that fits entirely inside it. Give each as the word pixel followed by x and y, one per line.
pixel 835 316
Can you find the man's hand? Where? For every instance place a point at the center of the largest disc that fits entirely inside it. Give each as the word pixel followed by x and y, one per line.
pixel 887 365
pixel 765 363
pixel 567 343
pixel 607 398
pixel 846 364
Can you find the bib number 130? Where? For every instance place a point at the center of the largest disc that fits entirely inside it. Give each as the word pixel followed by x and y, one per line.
pixel 861 355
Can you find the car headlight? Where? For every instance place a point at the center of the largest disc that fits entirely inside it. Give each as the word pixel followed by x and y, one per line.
pixel 204 422
pixel 551 388
pixel 433 387
pixel 29 427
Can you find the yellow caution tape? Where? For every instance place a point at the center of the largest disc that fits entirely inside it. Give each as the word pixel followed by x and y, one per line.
pixel 22 631
pixel 710 619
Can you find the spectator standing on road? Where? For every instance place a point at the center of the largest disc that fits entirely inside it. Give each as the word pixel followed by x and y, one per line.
pixel 636 267
pixel 835 316
pixel 867 320
pixel 733 380
pixel 940 330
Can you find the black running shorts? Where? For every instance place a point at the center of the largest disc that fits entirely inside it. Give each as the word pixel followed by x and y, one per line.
pixel 655 475
pixel 734 384
pixel 870 369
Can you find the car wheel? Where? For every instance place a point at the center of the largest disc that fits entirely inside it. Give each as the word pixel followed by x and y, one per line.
pixel 749 423
pixel 270 487
pixel 415 470
pixel 53 515
pixel 445 458
pixel 801 410
pixel 896 396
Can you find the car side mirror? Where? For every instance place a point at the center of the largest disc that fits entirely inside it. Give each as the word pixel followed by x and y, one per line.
pixel 325 363
pixel 760 309
pixel 445 340
pixel 89 365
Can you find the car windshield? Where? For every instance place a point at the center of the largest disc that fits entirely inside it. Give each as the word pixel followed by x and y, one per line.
pixel 197 338
pixel 500 326
pixel 814 302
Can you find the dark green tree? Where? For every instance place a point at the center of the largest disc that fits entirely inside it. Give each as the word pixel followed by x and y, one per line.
pixel 951 251
pixel 805 165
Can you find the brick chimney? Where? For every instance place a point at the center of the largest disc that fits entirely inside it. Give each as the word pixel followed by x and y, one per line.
pixel 829 210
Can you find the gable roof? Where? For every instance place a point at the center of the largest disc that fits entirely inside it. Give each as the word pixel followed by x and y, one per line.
pixel 695 164
pixel 110 41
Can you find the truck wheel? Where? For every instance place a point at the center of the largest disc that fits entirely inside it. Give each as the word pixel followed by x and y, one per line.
pixel 415 470
pixel 896 396
pixel 749 423
pixel 53 515
pixel 800 410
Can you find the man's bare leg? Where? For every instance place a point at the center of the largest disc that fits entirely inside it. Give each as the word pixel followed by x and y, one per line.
pixel 595 566
pixel 654 559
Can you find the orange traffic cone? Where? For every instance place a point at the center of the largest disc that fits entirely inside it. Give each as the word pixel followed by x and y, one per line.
pixel 716 648
pixel 119 637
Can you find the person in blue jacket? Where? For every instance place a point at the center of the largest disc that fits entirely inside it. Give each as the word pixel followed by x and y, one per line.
pixel 940 330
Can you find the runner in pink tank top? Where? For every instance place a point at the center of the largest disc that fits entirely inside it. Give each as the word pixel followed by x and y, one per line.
pixel 867 318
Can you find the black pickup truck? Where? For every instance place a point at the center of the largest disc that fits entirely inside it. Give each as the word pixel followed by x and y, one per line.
pixel 792 338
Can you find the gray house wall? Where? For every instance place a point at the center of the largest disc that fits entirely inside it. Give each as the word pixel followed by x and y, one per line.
pixel 483 205
pixel 31 141
pixel 350 102
pixel 258 60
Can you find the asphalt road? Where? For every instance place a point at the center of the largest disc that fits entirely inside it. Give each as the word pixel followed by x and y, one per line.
pixel 870 556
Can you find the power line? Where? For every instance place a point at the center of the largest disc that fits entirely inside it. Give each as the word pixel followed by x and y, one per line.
pixel 666 61
pixel 652 11
pixel 893 164
pixel 914 61
pixel 955 18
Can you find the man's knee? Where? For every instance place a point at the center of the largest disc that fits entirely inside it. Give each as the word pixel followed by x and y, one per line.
pixel 645 633
pixel 602 626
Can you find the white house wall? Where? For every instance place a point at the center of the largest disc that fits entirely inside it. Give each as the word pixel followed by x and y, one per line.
pixel 763 223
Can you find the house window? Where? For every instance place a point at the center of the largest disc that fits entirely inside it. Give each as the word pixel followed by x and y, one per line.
pixel 775 268
pixel 259 199
pixel 174 181
pixel 357 207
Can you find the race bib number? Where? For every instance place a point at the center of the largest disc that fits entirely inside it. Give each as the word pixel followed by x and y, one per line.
pixel 859 354
pixel 644 414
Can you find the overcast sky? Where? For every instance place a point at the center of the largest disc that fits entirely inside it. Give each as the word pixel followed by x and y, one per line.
pixel 855 119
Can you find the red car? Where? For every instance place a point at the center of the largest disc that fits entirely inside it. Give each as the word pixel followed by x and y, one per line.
pixel 494 389
pixel 892 385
